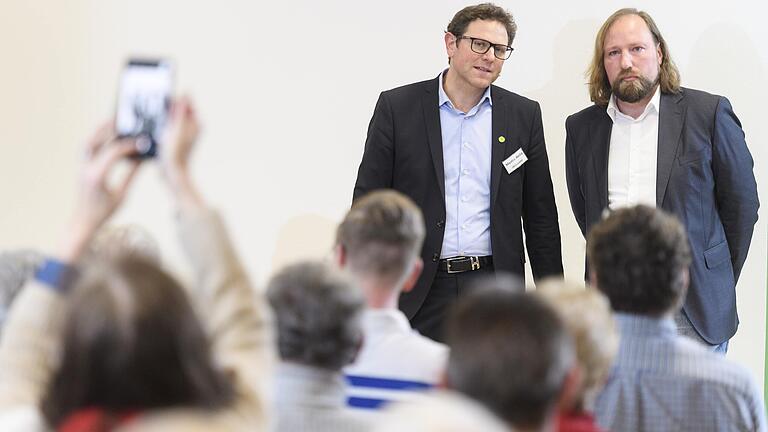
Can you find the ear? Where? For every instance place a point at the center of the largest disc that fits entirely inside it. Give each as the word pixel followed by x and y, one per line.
pixel 413 276
pixel 686 277
pixel 450 44
pixel 592 278
pixel 659 54
pixel 358 348
pixel 339 256
pixel 442 381
pixel 569 393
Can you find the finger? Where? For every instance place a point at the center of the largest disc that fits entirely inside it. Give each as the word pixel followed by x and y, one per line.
pixel 110 155
pixel 104 133
pixel 125 184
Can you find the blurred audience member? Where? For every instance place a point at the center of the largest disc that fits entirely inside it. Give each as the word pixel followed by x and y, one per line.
pixel 440 412
pixel 114 344
pixel 379 242
pixel 639 258
pixel 16 267
pixel 317 314
pixel 511 352
pixel 587 317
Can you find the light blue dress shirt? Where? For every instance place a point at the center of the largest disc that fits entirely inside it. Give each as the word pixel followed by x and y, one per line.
pixel 665 382
pixel 467 167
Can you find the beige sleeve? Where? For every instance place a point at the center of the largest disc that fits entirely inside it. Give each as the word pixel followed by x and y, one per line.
pixel 234 314
pixel 30 345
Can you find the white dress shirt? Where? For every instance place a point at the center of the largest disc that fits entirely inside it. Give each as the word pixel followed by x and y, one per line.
pixel 632 155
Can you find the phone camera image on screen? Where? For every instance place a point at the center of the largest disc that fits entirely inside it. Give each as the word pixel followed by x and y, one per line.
pixel 143 101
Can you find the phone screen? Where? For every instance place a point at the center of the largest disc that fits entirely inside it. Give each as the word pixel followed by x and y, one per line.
pixel 143 101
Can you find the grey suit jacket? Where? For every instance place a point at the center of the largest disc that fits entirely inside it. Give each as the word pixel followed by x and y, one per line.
pixel 704 177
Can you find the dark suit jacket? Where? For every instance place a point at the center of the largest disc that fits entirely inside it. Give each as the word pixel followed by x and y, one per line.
pixel 404 151
pixel 704 177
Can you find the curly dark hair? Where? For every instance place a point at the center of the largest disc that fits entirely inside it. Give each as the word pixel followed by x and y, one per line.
pixel 483 11
pixel 639 256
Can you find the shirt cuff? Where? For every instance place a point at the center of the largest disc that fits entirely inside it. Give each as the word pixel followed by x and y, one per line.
pixel 57 275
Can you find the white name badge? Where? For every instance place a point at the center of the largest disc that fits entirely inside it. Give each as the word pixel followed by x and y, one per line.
pixel 513 162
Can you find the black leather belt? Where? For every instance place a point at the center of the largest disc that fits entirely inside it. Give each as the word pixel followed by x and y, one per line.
pixel 461 264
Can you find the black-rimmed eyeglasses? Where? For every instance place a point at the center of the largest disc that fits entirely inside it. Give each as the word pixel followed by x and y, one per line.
pixel 481 46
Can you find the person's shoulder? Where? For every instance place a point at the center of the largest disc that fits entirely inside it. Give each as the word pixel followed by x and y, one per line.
pixel 512 97
pixel 586 115
pixel 428 347
pixel 699 100
pixel 411 90
pixel 714 368
pixel 698 95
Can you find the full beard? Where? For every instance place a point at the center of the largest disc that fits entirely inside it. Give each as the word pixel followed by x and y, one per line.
pixel 633 91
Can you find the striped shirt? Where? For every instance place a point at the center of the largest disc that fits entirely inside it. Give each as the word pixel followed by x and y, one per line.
pixel 395 363
pixel 664 382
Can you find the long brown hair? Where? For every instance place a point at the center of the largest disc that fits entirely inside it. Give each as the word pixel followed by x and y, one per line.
pixel 600 87
pixel 131 341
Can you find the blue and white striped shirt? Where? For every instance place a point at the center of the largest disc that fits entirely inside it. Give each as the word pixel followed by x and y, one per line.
pixel 395 364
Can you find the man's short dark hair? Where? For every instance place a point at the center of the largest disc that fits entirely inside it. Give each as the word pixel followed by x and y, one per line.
pixel 510 351
pixel 486 12
pixel 382 234
pixel 317 315
pixel 639 256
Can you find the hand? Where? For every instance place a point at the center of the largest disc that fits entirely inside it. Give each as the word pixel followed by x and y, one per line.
pixel 176 145
pixel 97 199
pixel 178 139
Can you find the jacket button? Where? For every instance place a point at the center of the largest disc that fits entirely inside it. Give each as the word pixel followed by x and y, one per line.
pixel 440 224
pixel 435 257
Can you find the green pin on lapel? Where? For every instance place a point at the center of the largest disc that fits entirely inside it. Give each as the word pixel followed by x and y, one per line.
pixel 501 138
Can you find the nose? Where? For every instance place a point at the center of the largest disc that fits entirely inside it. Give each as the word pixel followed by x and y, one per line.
pixel 626 60
pixel 489 56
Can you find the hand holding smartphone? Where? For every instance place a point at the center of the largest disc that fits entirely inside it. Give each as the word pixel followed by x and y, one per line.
pixel 143 103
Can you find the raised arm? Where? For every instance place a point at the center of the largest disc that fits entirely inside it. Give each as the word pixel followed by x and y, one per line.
pixel 234 315
pixel 31 338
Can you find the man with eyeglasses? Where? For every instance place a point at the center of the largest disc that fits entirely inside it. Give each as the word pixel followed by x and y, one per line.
pixel 472 156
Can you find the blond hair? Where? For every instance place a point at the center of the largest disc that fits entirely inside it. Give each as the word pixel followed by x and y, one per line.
pixel 588 318
pixel 600 87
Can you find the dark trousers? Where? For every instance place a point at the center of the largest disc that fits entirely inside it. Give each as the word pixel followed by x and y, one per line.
pixel 445 289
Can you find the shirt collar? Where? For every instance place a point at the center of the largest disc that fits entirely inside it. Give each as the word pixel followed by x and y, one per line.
pixel 653 106
pixel 392 320
pixel 442 96
pixel 645 325
pixel 297 383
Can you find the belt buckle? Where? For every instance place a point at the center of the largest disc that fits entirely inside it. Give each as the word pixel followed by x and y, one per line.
pixel 448 262
pixel 475 261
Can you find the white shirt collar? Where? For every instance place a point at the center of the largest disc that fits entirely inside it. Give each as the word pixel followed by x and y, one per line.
pixel 653 106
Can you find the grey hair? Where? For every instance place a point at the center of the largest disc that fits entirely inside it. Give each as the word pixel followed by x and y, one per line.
pixel 317 314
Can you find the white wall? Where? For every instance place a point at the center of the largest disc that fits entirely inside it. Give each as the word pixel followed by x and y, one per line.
pixel 286 91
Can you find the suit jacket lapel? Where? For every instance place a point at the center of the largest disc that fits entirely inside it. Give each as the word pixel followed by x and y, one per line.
pixel 670 127
pixel 432 120
pixel 600 136
pixel 498 129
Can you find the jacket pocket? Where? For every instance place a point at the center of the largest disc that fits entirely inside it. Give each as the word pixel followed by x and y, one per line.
pixel 717 255
pixel 692 157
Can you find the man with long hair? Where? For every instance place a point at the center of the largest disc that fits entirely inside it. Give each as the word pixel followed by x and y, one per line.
pixel 647 140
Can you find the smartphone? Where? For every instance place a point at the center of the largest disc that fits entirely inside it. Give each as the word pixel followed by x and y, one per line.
pixel 143 102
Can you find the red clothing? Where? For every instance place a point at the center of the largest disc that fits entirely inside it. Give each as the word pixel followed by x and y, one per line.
pixel 577 422
pixel 94 420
